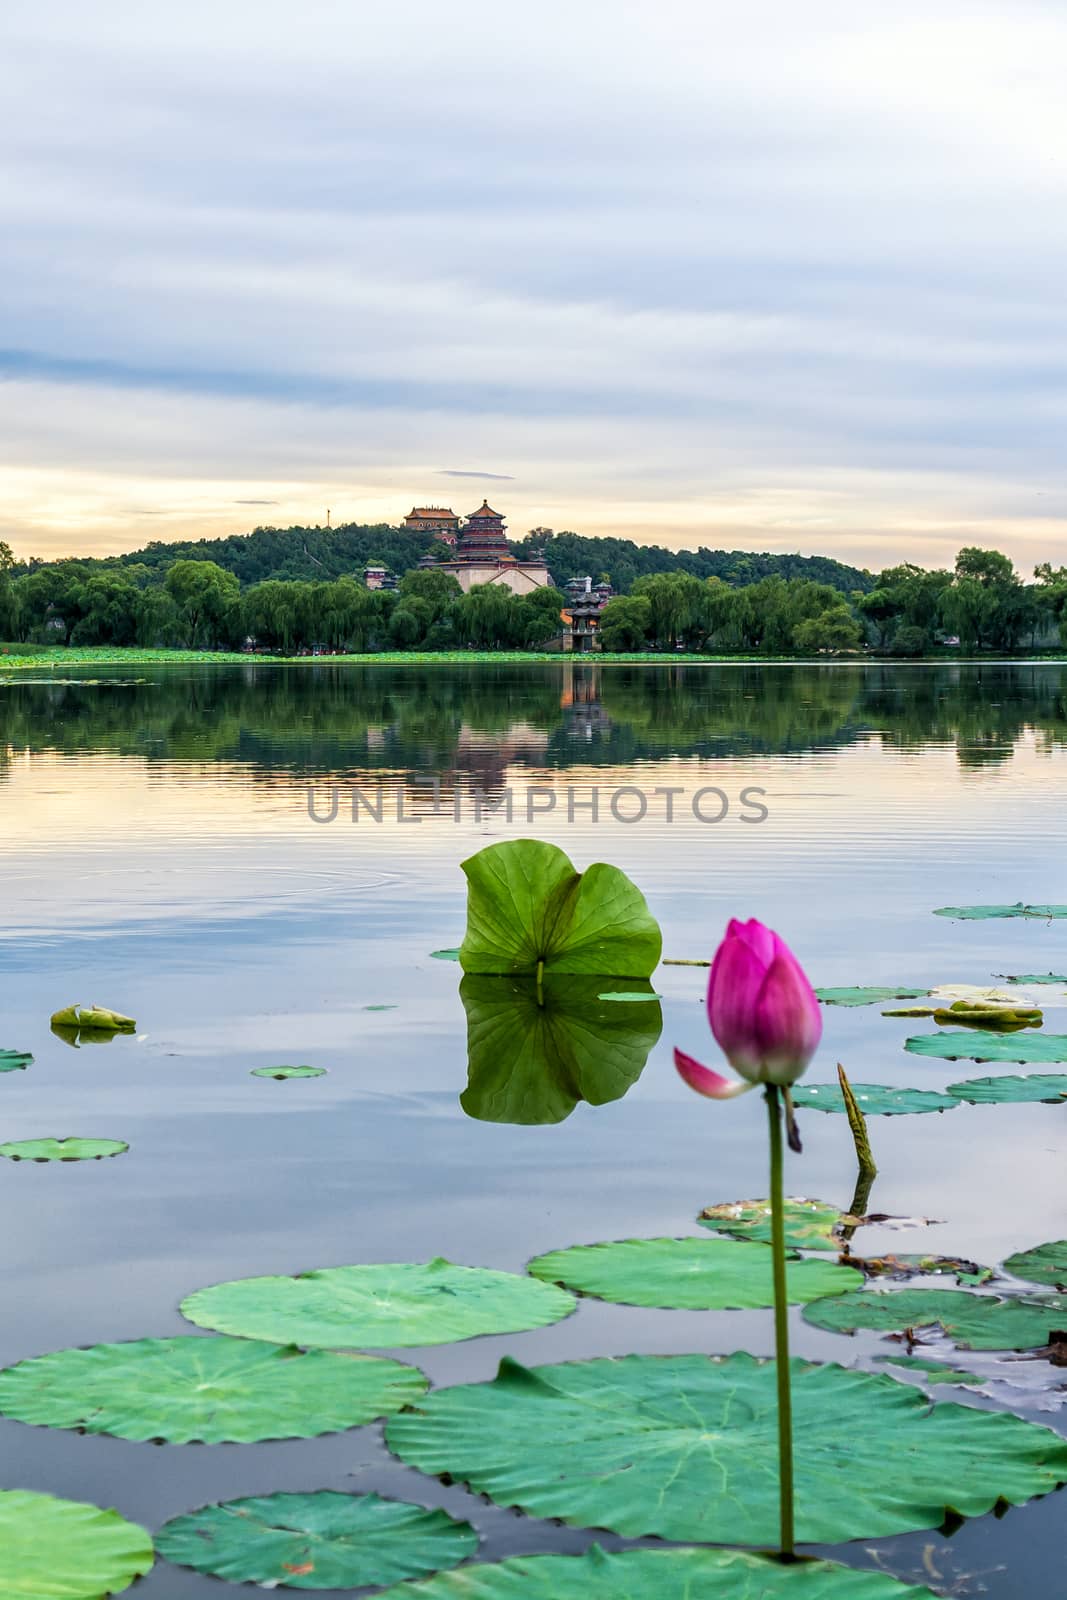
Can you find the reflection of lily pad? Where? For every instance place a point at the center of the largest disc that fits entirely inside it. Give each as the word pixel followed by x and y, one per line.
pixel 385 1306
pixel 535 1051
pixel 984 913
pixel 325 1540
pixel 288 1072
pixel 685 1447
pixel 89 1018
pixel 1047 1087
pixel 971 1321
pixel 874 1099
pixel 14 1061
pixel 687 1274
pixel 1027 1049
pixel 1046 1263
pixel 187 1389
pixel 869 996
pixel 657 1575
pixel 527 905
pixel 809 1224
pixel 62 1149
pixel 66 1550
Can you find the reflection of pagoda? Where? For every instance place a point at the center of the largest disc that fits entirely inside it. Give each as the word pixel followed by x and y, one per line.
pixel 483 555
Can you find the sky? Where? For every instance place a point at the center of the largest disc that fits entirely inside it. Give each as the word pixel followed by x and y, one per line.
pixel 769 277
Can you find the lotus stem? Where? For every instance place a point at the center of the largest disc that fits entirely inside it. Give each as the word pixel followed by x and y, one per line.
pixel 781 1330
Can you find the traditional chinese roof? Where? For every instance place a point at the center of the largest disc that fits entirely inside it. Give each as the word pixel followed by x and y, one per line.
pixel 484 510
pixel 432 513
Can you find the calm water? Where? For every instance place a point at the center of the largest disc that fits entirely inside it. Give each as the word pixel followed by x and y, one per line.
pixel 158 857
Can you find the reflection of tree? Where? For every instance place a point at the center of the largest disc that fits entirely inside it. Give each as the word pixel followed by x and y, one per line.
pixel 471 725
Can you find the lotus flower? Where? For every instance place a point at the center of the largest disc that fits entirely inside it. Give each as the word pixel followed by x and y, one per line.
pixel 763 1013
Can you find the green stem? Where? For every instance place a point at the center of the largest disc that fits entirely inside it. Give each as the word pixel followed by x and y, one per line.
pixel 781 1328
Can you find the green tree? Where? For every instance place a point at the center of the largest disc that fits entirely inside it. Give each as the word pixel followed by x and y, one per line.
pixel 832 629
pixel 625 623
pixel 208 602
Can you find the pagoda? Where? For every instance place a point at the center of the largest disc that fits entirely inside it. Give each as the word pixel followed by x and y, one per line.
pixel 483 555
pixel 483 538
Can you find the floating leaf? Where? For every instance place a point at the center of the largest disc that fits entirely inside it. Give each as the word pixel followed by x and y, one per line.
pixel 1032 977
pixel 685 1448
pixel 936 1371
pixel 687 1274
pixel 997 1018
pixel 445 955
pixel 657 1575
pixel 971 1321
pixel 984 913
pixel 910 1011
pixel 526 905
pixel 14 1061
pixel 631 995
pixel 187 1389
pixel 869 996
pixel 1045 1263
pixel 930 1266
pixel 809 1224
pixel 67 1550
pixel 534 1051
pixel 325 1540
pixel 875 1099
pixel 1043 1086
pixel 1030 1048
pixel 385 1306
pixel 62 1149
pixel 288 1072
pixel 88 1018
pixel 389 1007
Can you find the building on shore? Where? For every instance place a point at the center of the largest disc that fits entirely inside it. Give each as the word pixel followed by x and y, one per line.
pixel 378 578
pixel 441 521
pixel 581 614
pixel 482 555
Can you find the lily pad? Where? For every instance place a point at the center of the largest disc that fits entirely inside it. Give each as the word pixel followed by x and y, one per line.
pixel 534 1051
pixel 934 1371
pixel 87 1018
pixel 687 1274
pixel 1032 977
pixel 14 1061
pixel 984 913
pixel 1045 1263
pixel 874 1099
pixel 1049 1088
pixel 445 955
pixel 971 1321
pixel 630 996
pixel 67 1550
pixel 869 996
pixel 527 906
pixel 657 1575
pixel 685 1448
pixel 384 1306
pixel 288 1072
pixel 919 1265
pixel 1027 1049
pixel 62 1149
pixel 325 1540
pixel 187 1389
pixel 809 1224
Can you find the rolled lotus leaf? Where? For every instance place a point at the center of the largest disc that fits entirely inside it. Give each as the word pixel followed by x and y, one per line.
pixel 87 1018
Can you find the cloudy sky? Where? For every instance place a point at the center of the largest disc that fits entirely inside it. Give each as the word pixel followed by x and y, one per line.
pixel 769 276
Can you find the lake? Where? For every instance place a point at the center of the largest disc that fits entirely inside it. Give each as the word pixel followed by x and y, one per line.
pixel 167 851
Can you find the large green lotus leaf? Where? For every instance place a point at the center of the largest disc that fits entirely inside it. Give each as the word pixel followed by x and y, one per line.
pixel 384 1306
pixel 687 1274
pixel 983 913
pixel 1045 1263
pixel 526 905
pixel 187 1389
pixel 875 1099
pixel 869 996
pixel 1026 1048
pixel 325 1540
pixel 971 1321
pixel 685 1448
pixel 1043 1086
pixel 62 1149
pixel 14 1060
pixel 657 1575
pixel 809 1224
pixel 66 1550
pixel 534 1051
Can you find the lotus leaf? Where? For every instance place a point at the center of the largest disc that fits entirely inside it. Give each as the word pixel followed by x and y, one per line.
pixel 867 996
pixel 1045 1263
pixel 809 1224
pixel 984 913
pixel 14 1060
pixel 657 1575
pixel 687 1274
pixel 1032 977
pixel 325 1540
pixel 685 1448
pixel 187 1389
pixel 67 1550
pixel 62 1149
pixel 528 908
pixel 384 1306
pixel 971 1321
pixel 1028 1049
pixel 288 1072
pixel 874 1099
pixel 87 1018
pixel 1049 1088
pixel 534 1051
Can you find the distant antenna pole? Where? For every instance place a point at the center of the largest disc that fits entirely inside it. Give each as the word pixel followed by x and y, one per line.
pixel 327 516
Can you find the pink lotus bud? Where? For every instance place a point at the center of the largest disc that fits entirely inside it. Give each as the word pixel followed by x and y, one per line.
pixel 763 1013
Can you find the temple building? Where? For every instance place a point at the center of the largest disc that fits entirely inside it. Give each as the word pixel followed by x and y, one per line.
pixel 483 555
pixel 441 521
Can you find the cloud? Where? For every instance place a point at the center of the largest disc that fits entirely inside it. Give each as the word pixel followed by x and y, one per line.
pixel 497 477
pixel 255 502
